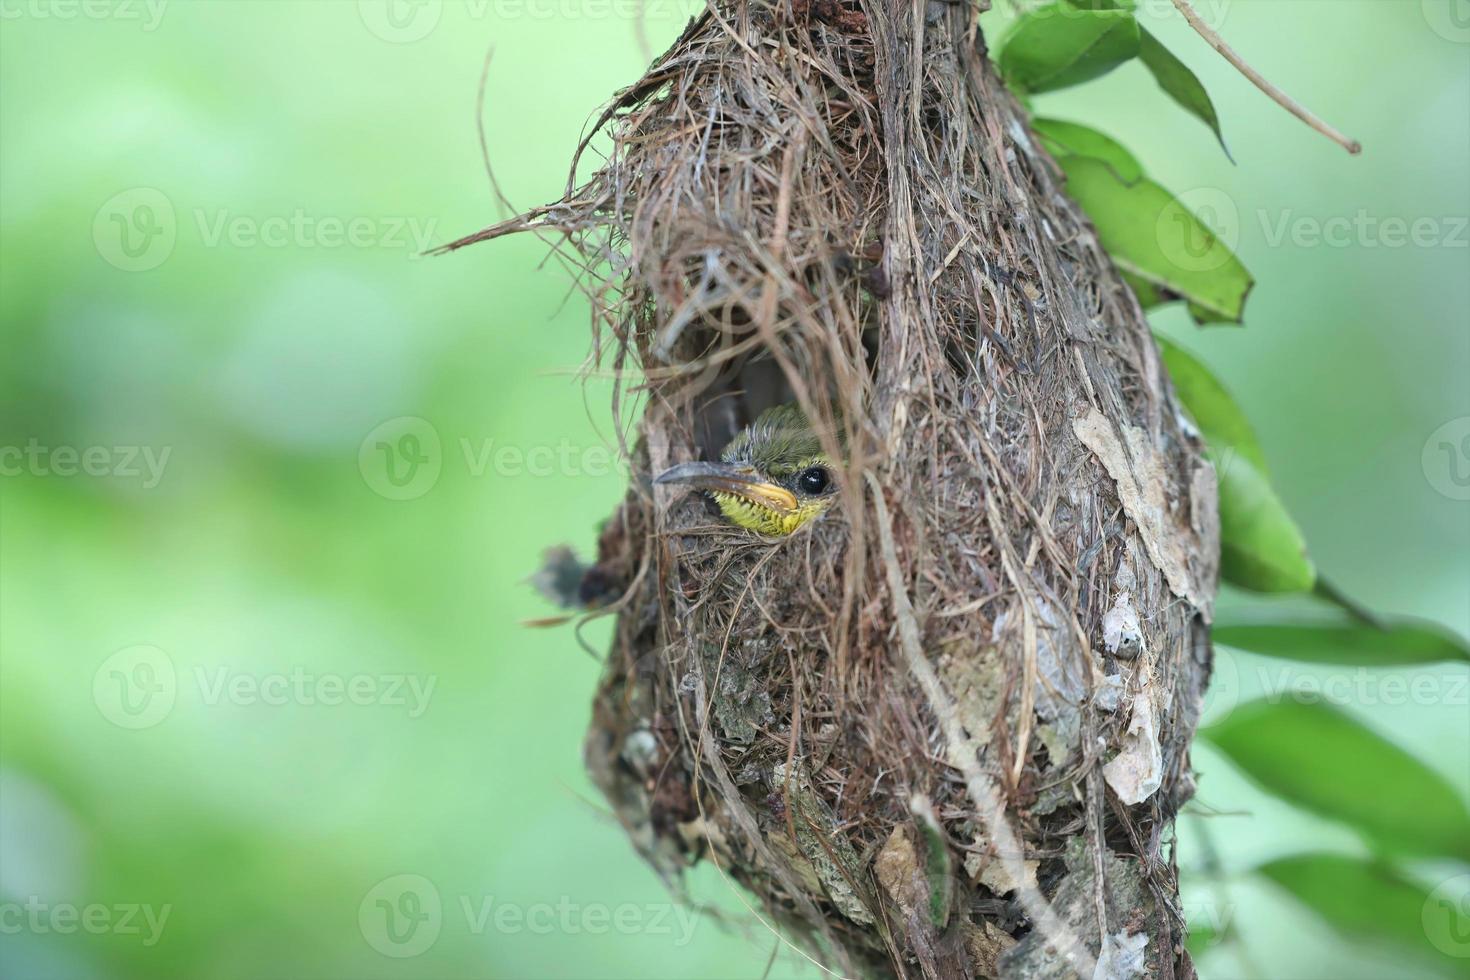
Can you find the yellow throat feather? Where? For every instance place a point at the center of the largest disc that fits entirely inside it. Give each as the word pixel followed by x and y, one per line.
pixel 772 478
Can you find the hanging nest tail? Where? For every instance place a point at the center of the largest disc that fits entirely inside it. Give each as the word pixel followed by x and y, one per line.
pixel 942 731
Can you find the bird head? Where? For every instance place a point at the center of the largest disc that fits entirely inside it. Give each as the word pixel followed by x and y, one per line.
pixel 772 478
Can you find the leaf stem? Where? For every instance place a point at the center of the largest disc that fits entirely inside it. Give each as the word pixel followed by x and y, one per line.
pixel 1279 97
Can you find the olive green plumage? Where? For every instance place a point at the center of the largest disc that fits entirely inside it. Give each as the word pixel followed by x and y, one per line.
pixel 773 477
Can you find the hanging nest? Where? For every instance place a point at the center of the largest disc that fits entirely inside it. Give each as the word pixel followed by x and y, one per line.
pixel 944 730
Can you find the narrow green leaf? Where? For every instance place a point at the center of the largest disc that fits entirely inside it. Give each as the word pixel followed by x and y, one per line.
pixel 1365 899
pixel 1059 45
pixel 1318 758
pixel 1204 317
pixel 1261 547
pixel 1062 138
pixel 1223 424
pixel 1181 84
pixel 1154 238
pixel 1202 938
pixel 1148 294
pixel 1354 644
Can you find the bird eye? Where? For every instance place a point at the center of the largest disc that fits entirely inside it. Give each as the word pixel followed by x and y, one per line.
pixel 813 480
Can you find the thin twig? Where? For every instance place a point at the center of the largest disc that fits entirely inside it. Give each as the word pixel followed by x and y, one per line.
pixel 1279 97
pixel 506 208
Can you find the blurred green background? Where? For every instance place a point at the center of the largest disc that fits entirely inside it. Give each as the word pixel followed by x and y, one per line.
pixel 254 670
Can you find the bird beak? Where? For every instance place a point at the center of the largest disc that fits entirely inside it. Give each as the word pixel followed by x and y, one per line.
pixel 743 481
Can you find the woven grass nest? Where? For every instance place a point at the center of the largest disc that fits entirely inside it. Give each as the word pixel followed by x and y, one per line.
pixel 942 731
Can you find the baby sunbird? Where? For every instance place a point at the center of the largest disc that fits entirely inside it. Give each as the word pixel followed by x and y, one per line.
pixel 772 478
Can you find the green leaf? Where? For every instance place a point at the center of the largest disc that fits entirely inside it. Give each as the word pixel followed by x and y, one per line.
pixel 1062 138
pixel 1202 938
pixel 1203 317
pixel 1181 84
pixel 1354 644
pixel 1151 236
pixel 1059 45
pixel 1223 424
pixel 1318 758
pixel 1363 899
pixel 1261 547
pixel 1148 294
